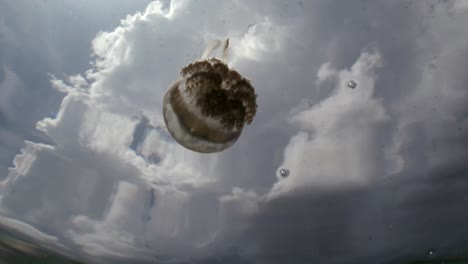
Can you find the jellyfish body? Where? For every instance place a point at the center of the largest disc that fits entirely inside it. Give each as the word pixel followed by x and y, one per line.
pixel 206 109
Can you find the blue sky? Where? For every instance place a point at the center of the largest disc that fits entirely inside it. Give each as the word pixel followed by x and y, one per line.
pixel 375 173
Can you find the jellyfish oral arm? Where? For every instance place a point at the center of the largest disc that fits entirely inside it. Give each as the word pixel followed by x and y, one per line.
pixel 211 47
pixel 225 55
pixel 214 45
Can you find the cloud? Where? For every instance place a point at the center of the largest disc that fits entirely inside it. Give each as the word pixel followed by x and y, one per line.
pixel 10 87
pixel 35 42
pixel 460 6
pixel 90 178
pixel 115 185
pixel 31 232
pixel 342 129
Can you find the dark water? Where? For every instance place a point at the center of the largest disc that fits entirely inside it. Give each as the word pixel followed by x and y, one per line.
pixel 14 249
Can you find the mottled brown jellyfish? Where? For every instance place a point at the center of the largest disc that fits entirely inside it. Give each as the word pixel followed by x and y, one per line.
pixel 206 109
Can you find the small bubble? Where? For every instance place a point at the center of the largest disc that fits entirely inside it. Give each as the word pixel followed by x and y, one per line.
pixel 284 172
pixel 431 252
pixel 352 84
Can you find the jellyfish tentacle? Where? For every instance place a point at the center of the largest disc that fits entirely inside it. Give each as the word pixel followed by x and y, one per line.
pixel 225 55
pixel 210 48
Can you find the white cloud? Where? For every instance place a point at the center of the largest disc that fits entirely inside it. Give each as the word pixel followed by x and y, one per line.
pixel 109 192
pixel 35 41
pixel 337 141
pixel 262 39
pixel 91 189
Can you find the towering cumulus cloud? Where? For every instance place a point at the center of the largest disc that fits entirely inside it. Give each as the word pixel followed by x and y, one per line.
pixel 114 183
pixel 342 129
pixel 366 160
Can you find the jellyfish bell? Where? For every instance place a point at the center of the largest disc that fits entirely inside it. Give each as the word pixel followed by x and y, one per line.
pixel 206 109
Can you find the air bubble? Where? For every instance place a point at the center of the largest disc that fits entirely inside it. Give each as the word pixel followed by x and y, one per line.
pixel 284 172
pixel 352 84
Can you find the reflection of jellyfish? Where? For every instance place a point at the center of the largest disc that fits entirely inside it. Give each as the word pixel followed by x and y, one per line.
pixel 206 108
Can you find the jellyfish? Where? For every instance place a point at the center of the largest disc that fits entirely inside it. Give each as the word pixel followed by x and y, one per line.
pixel 206 109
